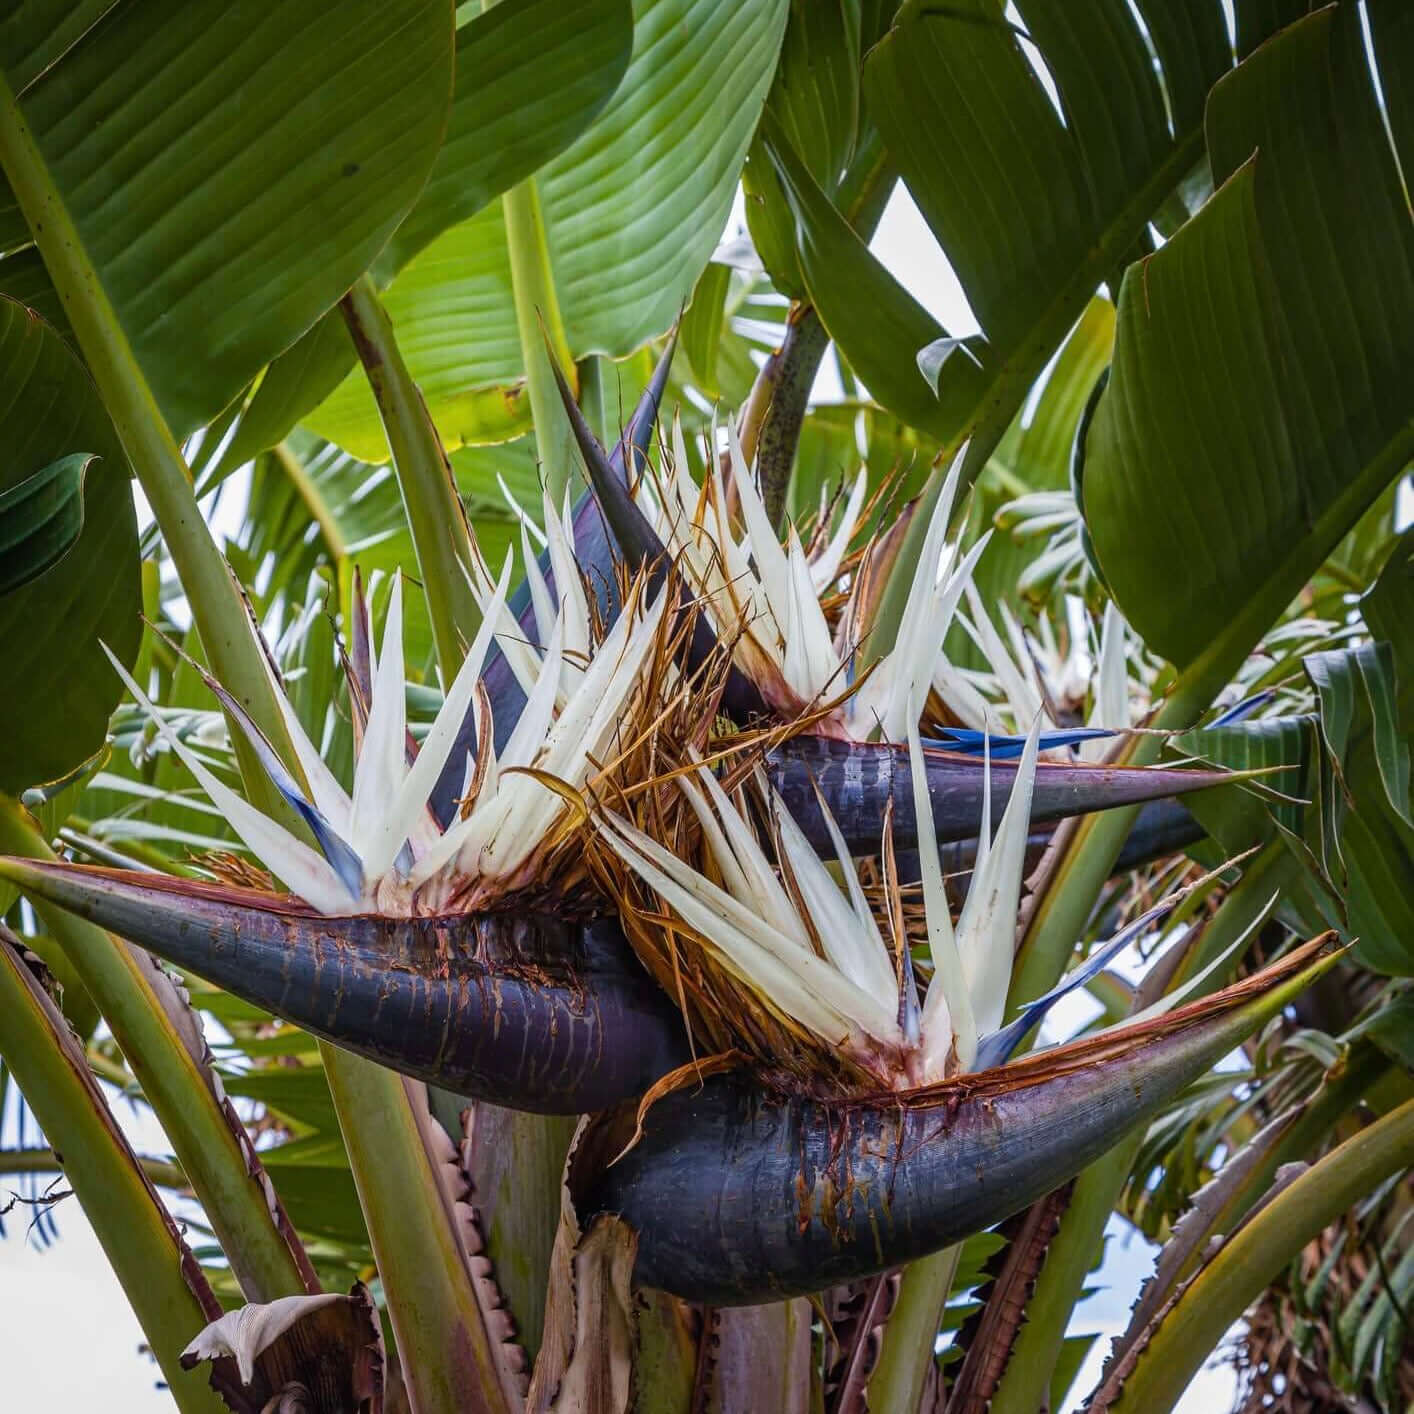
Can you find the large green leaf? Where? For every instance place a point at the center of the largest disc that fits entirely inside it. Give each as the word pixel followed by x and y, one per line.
pixel 531 75
pixel 231 168
pixel 816 100
pixel 60 689
pixel 1033 210
pixel 632 213
pixel 1260 397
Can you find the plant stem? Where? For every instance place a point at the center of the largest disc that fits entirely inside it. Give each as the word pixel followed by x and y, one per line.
pixel 441 537
pixel 911 1330
pixel 1072 1251
pixel 160 1278
pixel 447 1359
pixel 790 372
pixel 1234 1278
pixel 538 308
pixel 12 1161
pixel 126 987
pixel 517 1170
pixel 224 624
pixel 1027 1378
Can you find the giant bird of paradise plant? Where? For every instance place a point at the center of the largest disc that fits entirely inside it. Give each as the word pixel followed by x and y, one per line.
pixel 696 840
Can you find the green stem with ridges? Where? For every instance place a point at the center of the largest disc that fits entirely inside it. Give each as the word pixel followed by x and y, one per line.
pixel 911 1330
pixel 447 1362
pixel 225 628
pixel 1235 1277
pixel 538 318
pixel 136 1233
pixel 441 537
pixel 185 1105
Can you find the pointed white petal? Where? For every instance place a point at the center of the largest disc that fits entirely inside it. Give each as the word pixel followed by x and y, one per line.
pixel 294 863
pixel 921 638
pixel 826 565
pixel 520 513
pixel 330 798
pixel 771 565
pixel 568 587
pixel 986 931
pixel 1111 708
pixel 771 899
pixel 959 696
pixel 852 945
pixel 528 735
pixel 540 595
pixel 797 982
pixel 947 1010
pixel 810 663
pixel 405 809
pixel 382 760
pixel 1022 697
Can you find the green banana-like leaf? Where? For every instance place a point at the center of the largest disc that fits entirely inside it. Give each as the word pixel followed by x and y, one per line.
pixel 40 519
pixel 61 689
pixel 1260 397
pixel 231 168
pixel 632 212
pixel 815 97
pixel 531 75
pixel 1034 210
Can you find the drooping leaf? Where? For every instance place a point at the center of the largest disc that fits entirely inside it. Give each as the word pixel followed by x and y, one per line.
pixel 632 213
pixel 60 691
pixel 1260 397
pixel 1032 210
pixel 231 169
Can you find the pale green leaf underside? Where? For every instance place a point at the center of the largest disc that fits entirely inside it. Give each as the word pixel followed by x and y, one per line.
pixel 632 210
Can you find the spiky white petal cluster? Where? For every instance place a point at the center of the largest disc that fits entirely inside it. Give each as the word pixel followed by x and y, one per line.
pixel 848 991
pixel 774 591
pixel 380 848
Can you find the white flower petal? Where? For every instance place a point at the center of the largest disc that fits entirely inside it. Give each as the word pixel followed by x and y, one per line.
pixel 382 759
pixel 986 931
pixel 300 868
pixel 947 1010
pixel 826 565
pixel 852 946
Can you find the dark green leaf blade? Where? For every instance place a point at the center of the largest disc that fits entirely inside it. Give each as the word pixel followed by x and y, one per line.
pixel 232 169
pixel 54 714
pixel 1259 399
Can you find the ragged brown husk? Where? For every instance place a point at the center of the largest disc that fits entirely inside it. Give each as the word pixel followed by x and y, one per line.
pixel 724 1012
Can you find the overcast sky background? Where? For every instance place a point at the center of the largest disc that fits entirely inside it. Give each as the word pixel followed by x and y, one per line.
pixel 68 1340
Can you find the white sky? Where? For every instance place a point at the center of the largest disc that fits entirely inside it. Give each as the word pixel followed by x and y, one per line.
pixel 68 1340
